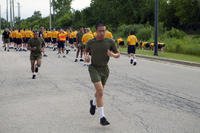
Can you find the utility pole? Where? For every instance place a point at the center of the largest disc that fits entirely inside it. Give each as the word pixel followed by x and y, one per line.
pixel 0 18
pixel 13 9
pixel 50 19
pixel 7 10
pixel 156 29
pixel 11 21
pixel 19 13
pixel 53 22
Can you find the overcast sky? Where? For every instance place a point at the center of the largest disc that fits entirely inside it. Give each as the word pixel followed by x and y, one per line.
pixel 29 6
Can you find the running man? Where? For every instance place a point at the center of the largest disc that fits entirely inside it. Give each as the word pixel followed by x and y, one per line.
pixel 132 42
pixel 6 39
pixel 19 40
pixel 54 39
pixel 101 49
pixel 36 46
pixel 79 45
pixel 86 37
pixel 61 43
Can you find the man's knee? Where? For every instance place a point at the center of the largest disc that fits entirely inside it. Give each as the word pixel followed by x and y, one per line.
pixel 99 93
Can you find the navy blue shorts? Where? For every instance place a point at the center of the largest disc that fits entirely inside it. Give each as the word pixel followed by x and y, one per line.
pixel 131 49
pixel 54 40
pixel 74 39
pixel 19 41
pixel 71 41
pixel 61 44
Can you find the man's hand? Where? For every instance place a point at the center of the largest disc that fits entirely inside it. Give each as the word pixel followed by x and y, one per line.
pixel 32 49
pixel 111 54
pixel 42 50
pixel 87 57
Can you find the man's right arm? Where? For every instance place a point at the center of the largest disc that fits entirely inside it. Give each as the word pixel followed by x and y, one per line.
pixel 87 52
pixel 29 46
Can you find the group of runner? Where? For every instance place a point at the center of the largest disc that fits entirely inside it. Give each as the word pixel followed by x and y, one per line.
pixel 94 48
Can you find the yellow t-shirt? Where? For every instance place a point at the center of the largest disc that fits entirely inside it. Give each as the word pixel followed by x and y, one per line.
pixel 45 34
pixel 108 35
pixel 119 40
pixel 144 44
pixel 14 33
pixel 55 34
pixel 62 37
pixel 18 35
pixel 132 40
pixel 94 34
pixel 23 33
pixel 28 34
pixel 73 34
pixel 86 37
pixel 11 34
pixel 49 34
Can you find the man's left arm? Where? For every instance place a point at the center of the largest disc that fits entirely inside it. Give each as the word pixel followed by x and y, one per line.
pixel 113 51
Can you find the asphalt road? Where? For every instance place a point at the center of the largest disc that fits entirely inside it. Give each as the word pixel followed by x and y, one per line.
pixel 153 97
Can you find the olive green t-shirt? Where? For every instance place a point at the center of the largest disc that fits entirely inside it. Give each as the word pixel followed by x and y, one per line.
pixel 38 43
pixel 79 37
pixel 98 50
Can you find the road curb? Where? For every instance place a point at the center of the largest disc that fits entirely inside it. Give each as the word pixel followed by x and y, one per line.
pixel 167 60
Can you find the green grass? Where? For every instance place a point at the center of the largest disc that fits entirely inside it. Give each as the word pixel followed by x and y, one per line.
pixel 168 55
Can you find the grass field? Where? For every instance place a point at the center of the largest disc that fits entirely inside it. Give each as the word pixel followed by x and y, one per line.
pixel 183 57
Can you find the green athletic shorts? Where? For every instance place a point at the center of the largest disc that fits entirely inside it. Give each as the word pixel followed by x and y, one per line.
pixel 99 74
pixel 7 40
pixel 35 57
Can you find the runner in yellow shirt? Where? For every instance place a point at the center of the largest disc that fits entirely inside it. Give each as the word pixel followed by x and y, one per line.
pixel 14 32
pixel 24 45
pixel 19 40
pixel 108 35
pixel 49 37
pixel 45 36
pixel 120 41
pixel 54 38
pixel 86 37
pixel 132 42
pixel 61 43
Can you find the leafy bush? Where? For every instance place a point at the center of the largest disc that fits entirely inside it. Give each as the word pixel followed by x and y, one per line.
pixel 174 33
pixel 187 45
pixel 144 33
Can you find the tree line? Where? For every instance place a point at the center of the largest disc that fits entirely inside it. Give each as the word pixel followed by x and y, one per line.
pixel 181 14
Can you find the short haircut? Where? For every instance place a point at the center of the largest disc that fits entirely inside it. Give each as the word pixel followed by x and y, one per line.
pixel 99 24
pixel 132 33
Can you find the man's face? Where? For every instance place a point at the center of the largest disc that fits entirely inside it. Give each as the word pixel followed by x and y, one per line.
pixel 101 31
pixel 36 35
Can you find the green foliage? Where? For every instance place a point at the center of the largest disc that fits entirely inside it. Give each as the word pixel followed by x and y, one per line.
pixel 143 32
pixel 186 45
pixel 174 33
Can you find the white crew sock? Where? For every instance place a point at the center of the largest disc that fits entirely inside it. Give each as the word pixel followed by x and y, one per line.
pixel 134 60
pixel 101 112
pixel 94 101
pixel 34 73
